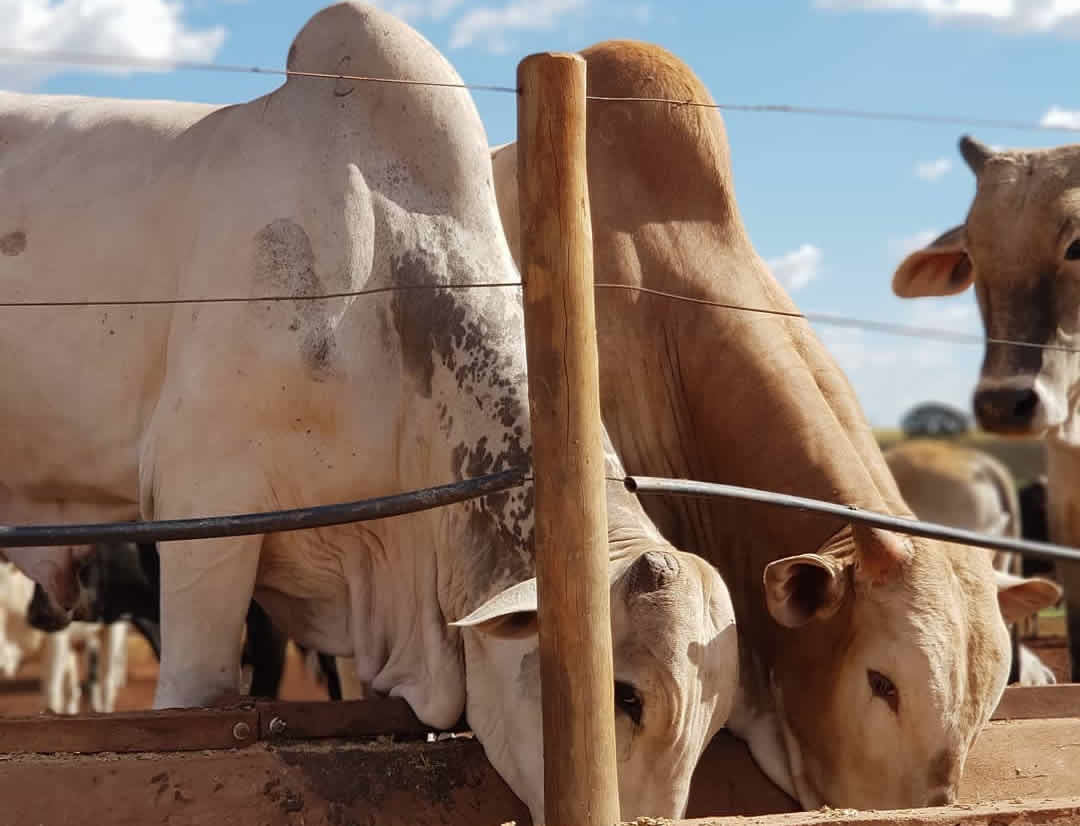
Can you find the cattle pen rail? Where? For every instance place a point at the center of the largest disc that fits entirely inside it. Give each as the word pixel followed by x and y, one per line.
pixel 372 761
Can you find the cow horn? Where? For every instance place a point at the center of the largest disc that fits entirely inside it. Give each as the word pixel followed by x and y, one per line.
pixel 975 154
pixel 650 572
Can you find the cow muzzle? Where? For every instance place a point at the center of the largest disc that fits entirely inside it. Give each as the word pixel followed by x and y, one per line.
pixel 45 614
pixel 1013 408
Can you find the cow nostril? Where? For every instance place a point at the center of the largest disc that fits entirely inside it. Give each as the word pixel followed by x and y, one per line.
pixel 1025 404
pixel 1006 408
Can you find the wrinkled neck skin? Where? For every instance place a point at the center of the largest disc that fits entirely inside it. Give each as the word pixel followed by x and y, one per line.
pixel 748 399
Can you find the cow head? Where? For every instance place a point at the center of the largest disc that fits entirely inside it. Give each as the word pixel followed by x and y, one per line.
pixel 676 668
pixel 876 703
pixel 1020 246
pixel 111 580
pixel 64 580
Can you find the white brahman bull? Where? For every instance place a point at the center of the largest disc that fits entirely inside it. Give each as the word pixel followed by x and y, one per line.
pixel 185 410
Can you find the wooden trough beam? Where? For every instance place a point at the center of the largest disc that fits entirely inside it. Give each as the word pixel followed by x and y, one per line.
pixel 188 767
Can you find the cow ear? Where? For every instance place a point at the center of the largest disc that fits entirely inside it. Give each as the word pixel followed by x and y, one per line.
pixel 940 268
pixel 1021 597
pixel 805 587
pixel 510 614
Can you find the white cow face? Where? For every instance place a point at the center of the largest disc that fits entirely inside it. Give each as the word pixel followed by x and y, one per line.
pixel 676 669
pixel 888 675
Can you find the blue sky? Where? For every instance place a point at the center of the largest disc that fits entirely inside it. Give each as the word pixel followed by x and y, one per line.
pixel 831 203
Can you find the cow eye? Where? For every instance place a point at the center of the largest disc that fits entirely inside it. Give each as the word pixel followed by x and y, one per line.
pixel 882 687
pixel 1073 252
pixel 628 701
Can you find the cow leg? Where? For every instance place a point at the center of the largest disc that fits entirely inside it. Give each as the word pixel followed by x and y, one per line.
pixel 333 682
pixel 59 674
pixel 265 649
pixel 206 587
pixel 9 651
pixel 113 672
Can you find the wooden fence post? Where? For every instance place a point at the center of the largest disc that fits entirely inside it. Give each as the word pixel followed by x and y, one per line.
pixel 581 785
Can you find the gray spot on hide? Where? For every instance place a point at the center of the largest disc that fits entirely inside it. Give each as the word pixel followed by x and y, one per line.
pixel 529 675
pixel 13 243
pixel 285 263
pixel 495 554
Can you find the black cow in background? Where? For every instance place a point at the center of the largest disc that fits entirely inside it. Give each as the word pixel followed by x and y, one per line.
pixel 122 581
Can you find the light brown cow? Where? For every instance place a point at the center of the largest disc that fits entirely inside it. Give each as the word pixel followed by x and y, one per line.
pixel 1020 246
pixel 869 662
pixel 968 488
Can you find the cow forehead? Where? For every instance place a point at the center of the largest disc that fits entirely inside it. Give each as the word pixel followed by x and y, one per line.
pixel 1022 200
pixel 679 625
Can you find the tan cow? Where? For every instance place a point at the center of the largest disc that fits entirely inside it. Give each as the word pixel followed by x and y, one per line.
pixel 968 488
pixel 869 662
pixel 1020 246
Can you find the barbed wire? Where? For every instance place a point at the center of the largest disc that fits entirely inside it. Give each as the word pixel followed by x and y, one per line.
pixel 161 64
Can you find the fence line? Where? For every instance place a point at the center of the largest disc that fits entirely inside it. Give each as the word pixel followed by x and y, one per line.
pixel 912 527
pixel 322 516
pixel 216 527
pixel 119 61
pixel 888 327
pixel 255 299
pixel 843 321
pixel 851 113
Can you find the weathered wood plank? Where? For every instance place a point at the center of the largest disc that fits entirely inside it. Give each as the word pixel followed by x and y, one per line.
pixel 414 784
pixel 1011 758
pixel 1031 702
pixel 1019 812
pixel 332 783
pixel 173 730
pixel 351 718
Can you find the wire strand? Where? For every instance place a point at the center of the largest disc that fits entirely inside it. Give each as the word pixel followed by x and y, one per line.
pixel 153 302
pixel 119 61
pixel 132 62
pixel 842 112
pixel 844 321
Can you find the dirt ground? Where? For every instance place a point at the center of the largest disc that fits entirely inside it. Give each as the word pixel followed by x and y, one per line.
pixel 22 696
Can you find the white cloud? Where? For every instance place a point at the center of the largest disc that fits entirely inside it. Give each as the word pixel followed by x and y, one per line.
pixel 417 10
pixel 891 373
pixel 1010 15
pixel 798 268
pixel 902 247
pixel 1056 116
pixel 142 29
pixel 493 25
pixel 932 170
